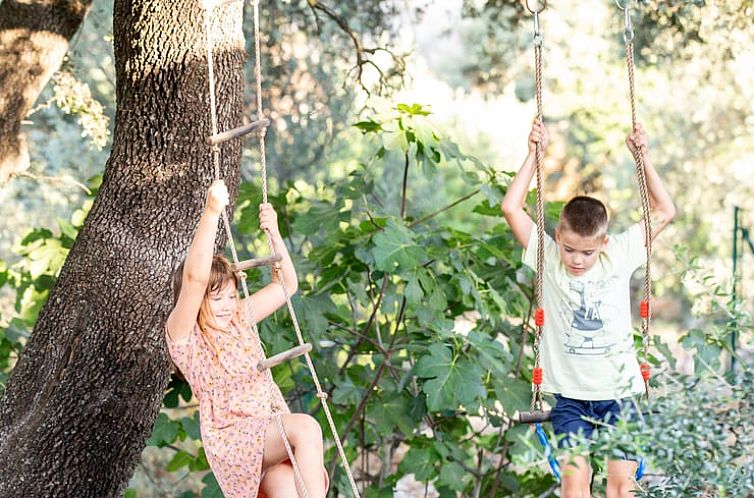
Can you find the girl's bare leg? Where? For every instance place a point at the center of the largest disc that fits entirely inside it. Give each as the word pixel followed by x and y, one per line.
pixel 305 437
pixel 279 482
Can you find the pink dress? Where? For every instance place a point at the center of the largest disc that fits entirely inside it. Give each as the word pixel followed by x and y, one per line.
pixel 235 404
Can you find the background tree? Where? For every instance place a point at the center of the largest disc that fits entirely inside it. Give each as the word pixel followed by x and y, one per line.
pixel 83 397
pixel 34 39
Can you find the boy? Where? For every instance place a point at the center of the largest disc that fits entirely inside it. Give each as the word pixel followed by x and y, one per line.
pixel 588 359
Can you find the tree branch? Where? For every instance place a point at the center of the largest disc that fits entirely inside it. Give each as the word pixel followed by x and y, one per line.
pixel 375 381
pixel 361 51
pixel 34 37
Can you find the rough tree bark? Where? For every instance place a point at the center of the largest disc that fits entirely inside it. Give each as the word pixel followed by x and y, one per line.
pixel 82 399
pixel 34 36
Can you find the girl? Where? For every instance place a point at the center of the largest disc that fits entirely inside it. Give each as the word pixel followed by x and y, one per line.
pixel 210 343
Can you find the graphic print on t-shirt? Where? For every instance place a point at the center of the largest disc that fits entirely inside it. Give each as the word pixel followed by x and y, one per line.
pixel 586 333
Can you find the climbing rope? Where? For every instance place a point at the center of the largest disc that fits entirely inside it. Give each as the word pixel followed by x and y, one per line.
pixel 628 38
pixel 539 314
pixel 321 395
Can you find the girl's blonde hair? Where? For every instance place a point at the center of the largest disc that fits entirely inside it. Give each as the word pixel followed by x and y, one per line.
pixel 220 274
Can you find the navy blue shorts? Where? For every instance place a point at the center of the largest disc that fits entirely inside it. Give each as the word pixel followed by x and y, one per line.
pixel 573 416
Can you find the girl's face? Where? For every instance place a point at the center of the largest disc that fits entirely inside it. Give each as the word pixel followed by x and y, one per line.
pixel 223 304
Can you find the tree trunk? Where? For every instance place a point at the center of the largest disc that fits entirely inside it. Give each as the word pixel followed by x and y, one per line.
pixel 83 397
pixel 34 36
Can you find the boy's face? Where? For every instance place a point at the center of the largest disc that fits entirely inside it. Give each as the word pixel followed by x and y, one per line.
pixel 578 253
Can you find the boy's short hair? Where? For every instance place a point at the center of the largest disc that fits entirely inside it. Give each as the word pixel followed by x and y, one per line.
pixel 585 216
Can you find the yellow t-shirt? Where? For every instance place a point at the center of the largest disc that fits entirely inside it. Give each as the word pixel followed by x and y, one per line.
pixel 587 351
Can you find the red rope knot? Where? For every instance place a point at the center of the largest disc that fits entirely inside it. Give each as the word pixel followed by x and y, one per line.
pixel 322 396
pixel 645 371
pixel 536 376
pixel 644 308
pixel 539 317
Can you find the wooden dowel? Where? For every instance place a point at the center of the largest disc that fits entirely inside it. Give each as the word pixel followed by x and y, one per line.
pixel 284 356
pixel 533 417
pixel 256 262
pixel 238 132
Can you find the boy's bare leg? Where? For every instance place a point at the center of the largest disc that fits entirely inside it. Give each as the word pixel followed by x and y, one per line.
pixel 576 475
pixel 620 478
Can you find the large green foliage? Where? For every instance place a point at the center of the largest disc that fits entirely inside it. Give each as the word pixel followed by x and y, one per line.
pixel 419 326
pixel 417 322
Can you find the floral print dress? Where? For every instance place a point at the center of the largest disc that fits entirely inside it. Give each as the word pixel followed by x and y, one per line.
pixel 235 403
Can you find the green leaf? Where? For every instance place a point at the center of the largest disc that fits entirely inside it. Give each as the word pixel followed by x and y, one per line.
pixel 391 411
pixel 368 126
pixel 68 230
pixel 321 217
pixel 414 109
pixel 176 388
pixel 199 463
pixel 347 393
pixel 191 426
pixel 454 476
pixel 513 394
pixel 130 493
pixel 36 235
pixel 374 491
pixel 395 246
pixel 165 431
pixel 452 381
pixel 413 291
pixel 663 348
pixel 437 299
pixel 211 487
pixel 179 460
pixel 492 355
pixel 420 462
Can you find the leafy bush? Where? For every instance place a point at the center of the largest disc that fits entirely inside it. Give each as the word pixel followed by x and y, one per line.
pixel 419 310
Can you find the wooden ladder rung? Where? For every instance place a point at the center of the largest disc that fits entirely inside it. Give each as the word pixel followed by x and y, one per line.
pixel 238 132
pixel 284 356
pixel 256 262
pixel 533 417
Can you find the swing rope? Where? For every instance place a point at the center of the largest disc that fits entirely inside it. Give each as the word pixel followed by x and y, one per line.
pixel 628 38
pixel 537 416
pixel 539 314
pixel 321 395
pixel 229 235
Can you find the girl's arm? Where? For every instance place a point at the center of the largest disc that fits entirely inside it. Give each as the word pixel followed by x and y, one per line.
pixel 515 198
pixel 196 269
pixel 660 202
pixel 265 301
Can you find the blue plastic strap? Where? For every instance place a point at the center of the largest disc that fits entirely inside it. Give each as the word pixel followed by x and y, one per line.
pixel 554 465
pixel 641 468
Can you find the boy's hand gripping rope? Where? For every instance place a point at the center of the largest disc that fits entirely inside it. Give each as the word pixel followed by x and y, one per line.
pixel 322 395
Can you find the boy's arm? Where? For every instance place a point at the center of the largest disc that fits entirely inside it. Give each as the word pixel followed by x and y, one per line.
pixel 515 198
pixel 196 270
pixel 660 202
